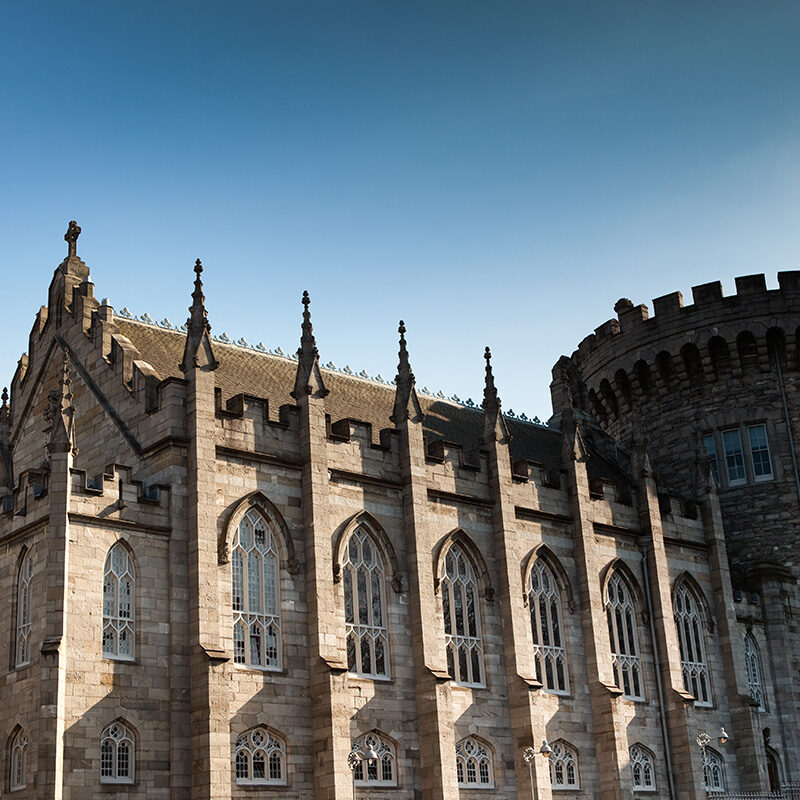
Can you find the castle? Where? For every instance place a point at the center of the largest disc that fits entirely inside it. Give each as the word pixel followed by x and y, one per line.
pixel 233 573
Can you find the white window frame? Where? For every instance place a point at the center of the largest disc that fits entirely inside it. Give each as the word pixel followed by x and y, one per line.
pixel 766 448
pixel 117 735
pixel 119 604
pixel 22 640
pixel 256 595
pixel 373 774
pixel 755 674
pixel 365 606
pixel 735 454
pixel 270 746
pixel 642 758
pixel 625 658
pixel 691 638
pixel 459 587
pixel 18 778
pixel 563 759
pixel 544 600
pixel 471 756
pixel 713 771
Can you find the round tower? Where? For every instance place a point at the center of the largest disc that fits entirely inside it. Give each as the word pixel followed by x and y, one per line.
pixel 722 374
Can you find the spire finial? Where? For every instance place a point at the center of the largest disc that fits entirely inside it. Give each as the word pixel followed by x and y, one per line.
pixel 491 402
pixel 308 379
pixel 404 372
pixel 405 396
pixel 71 238
pixel 308 344
pixel 198 328
pixel 5 397
pixel 494 425
pixel 60 413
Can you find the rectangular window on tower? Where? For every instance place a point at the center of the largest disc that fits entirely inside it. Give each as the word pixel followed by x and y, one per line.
pixel 759 452
pixel 734 457
pixel 711 449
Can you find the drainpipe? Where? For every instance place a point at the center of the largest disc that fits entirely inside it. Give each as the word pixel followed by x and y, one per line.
pixel 659 677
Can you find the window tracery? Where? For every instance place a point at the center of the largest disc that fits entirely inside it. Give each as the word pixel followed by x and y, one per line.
pixel 474 766
pixel 642 769
pixel 544 600
pixel 22 640
pixel 621 614
pixel 692 644
pixel 378 772
pixel 564 767
pixel 260 759
pixel 713 770
pixel 119 583
pixel 755 682
pixel 19 751
pixel 117 754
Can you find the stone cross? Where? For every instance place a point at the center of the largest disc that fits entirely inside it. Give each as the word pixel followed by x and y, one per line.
pixel 71 238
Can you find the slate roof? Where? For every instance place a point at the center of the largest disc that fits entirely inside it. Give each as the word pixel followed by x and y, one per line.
pixel 264 375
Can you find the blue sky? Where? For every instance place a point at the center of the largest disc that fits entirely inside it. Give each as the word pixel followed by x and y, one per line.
pixel 492 172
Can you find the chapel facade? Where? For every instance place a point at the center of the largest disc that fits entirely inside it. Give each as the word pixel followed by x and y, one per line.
pixel 233 573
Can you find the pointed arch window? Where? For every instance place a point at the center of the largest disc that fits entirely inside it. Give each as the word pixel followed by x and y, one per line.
pixel 755 680
pixel 364 578
pixel 19 754
pixel 378 772
pixel 689 622
pixel 255 576
pixel 564 767
pixel 117 754
pixel 462 619
pixel 22 641
pixel 474 766
pixel 260 759
pixel 119 584
pixel 713 770
pixel 621 614
pixel 544 600
pixel 642 769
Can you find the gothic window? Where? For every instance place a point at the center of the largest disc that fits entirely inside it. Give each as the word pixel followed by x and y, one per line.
pixel 692 643
pixel 260 759
pixel 474 764
pixel 643 769
pixel 713 770
pixel 117 754
pixel 755 682
pixel 364 580
pixel 461 624
pixel 564 767
pixel 621 613
pixel 119 582
pixel 19 748
pixel 544 600
pixel 376 772
pixel 24 577
pixel 256 594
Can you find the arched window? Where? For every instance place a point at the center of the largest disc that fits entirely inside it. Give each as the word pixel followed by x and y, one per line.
pixel 692 642
pixel 119 583
pixel 643 769
pixel 773 770
pixel 256 594
pixel 117 754
pixel 755 682
pixel 621 613
pixel 544 599
pixel 461 624
pixel 364 580
pixel 19 748
pixel 713 770
pixel 564 767
pixel 378 772
pixel 24 577
pixel 474 764
pixel 260 759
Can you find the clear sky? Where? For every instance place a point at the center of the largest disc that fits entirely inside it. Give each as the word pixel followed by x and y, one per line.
pixel 493 172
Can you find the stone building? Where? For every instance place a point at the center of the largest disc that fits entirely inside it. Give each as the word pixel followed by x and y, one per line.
pixel 225 571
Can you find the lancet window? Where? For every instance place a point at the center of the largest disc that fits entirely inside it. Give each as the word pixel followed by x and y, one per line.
pixel 117 754
pixel 255 563
pixel 544 600
pixel 564 767
pixel 260 759
pixel 22 641
pixel 461 619
pixel 19 752
pixel 621 614
pixel 364 579
pixel 713 770
pixel 642 769
pixel 692 643
pixel 119 582
pixel 380 771
pixel 755 681
pixel 474 766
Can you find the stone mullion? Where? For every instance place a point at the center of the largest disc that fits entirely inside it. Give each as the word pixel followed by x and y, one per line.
pixel 53 656
pixel 433 695
pixel 330 712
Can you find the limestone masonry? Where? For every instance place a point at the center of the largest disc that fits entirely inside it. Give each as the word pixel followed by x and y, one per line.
pixel 230 573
